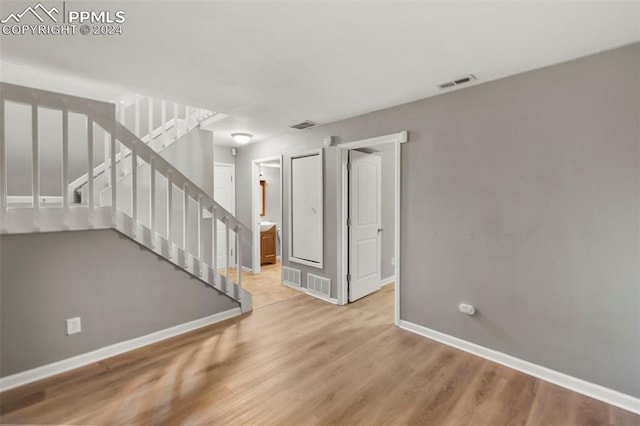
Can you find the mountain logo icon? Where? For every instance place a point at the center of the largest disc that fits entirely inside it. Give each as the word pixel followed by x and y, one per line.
pixel 39 11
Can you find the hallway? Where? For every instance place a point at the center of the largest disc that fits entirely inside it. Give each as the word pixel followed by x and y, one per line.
pixel 266 287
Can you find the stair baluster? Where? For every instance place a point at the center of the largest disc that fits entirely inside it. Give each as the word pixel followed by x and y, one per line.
pixel 104 212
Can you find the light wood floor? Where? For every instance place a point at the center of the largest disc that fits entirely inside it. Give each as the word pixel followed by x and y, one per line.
pixel 266 287
pixel 303 361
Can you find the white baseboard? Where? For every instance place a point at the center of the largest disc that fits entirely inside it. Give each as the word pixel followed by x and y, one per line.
pixel 247 269
pixel 610 396
pixel 58 367
pixel 388 280
pixel 311 293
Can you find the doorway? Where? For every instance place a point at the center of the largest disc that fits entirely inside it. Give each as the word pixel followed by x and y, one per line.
pixel 266 211
pixel 360 256
pixel 265 278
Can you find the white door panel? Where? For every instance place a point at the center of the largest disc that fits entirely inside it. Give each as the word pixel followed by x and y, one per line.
pixel 365 215
pixel 306 209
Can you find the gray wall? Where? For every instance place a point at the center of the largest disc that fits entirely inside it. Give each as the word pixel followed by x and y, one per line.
pixel 222 154
pixel 119 289
pixel 522 197
pixel 192 154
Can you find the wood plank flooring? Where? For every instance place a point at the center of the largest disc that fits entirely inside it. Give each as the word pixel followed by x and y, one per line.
pixel 266 287
pixel 303 362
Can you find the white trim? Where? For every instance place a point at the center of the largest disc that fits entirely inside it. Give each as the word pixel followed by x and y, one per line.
pixel 311 293
pixel 397 139
pixel 610 396
pixel 320 190
pixel 388 280
pixel 247 269
pixel 58 367
pixel 255 216
pixel 28 199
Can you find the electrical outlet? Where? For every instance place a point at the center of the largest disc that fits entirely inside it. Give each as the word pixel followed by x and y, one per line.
pixel 74 326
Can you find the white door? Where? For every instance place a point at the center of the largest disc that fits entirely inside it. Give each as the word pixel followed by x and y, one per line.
pixel 365 228
pixel 224 194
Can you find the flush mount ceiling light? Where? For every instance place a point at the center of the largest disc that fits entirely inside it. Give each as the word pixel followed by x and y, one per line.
pixel 241 138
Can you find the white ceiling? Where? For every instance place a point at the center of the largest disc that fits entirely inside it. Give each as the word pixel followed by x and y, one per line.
pixel 270 64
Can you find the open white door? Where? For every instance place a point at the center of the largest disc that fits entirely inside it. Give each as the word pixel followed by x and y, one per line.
pixel 224 194
pixel 365 229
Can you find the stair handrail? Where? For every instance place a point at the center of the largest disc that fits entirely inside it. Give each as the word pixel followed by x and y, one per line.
pixel 195 115
pixel 162 166
pixel 34 218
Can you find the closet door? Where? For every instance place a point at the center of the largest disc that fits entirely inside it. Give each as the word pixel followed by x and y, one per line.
pixel 306 209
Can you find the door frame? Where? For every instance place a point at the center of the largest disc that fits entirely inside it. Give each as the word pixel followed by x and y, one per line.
pixel 232 259
pixel 255 214
pixel 343 211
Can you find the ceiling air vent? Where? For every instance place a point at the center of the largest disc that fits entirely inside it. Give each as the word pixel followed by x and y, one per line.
pixel 457 81
pixel 304 125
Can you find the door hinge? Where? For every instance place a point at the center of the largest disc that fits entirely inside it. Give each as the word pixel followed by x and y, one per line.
pixel 348 277
pixel 349 167
pixel 231 252
pixel 349 222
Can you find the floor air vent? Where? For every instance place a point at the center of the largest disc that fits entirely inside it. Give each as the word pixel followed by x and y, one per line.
pixel 457 82
pixel 291 276
pixel 304 125
pixel 319 284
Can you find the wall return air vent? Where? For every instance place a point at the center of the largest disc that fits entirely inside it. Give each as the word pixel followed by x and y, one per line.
pixel 304 125
pixel 457 82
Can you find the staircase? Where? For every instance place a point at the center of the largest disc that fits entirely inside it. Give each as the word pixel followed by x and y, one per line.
pixel 133 190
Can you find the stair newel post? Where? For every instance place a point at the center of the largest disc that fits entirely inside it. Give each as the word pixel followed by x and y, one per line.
pixel 114 179
pixel 185 224
pixel 169 214
pixel 175 119
pixel 107 163
pixel 137 116
pixel 227 255
pixel 35 163
pixel 187 115
pixel 198 236
pixel 65 167
pixel 150 121
pixel 238 261
pixel 152 201
pixel 214 240
pixel 90 174
pixel 122 117
pixel 134 189
pixel 163 116
pixel 3 169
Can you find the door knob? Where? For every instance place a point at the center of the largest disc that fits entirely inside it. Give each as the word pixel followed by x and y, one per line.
pixel 380 230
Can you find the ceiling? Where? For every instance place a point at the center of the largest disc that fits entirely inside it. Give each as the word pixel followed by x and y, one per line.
pixel 269 64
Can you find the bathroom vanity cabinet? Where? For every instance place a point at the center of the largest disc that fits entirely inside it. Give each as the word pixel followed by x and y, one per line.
pixel 268 246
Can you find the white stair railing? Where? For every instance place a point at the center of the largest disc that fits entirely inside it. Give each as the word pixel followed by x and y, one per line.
pixel 140 212
pixel 158 137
